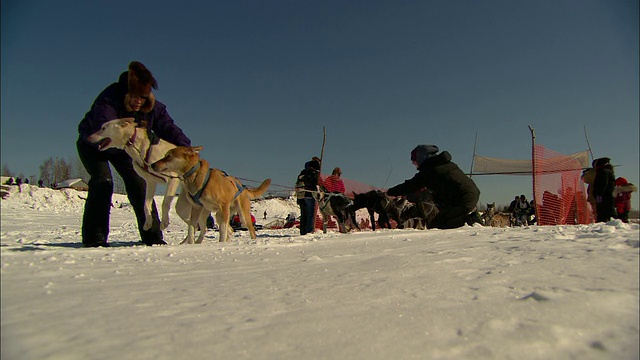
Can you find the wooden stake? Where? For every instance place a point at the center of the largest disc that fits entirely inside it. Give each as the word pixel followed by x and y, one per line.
pixel 324 139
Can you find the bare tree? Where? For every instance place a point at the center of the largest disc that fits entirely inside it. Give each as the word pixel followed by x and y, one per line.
pixel 62 170
pixel 47 171
pixel 58 169
pixel 6 171
pixel 78 170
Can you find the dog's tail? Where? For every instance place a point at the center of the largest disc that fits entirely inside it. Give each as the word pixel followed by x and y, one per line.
pixel 255 192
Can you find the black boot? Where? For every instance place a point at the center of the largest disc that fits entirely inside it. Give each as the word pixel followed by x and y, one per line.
pixel 96 244
pixel 95 241
pixel 474 218
pixel 153 241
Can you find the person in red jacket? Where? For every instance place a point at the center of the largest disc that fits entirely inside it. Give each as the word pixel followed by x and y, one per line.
pixel 622 198
pixel 334 183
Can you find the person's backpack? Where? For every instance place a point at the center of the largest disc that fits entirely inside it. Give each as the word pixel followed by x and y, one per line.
pixel 300 190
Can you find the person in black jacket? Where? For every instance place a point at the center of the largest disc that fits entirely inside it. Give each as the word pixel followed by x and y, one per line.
pixel 603 185
pixel 131 96
pixel 307 180
pixel 455 194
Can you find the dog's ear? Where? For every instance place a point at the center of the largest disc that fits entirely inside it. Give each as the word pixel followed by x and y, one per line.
pixel 127 121
pixel 197 149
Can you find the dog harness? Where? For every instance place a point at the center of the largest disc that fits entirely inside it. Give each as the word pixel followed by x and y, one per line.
pixel 145 159
pixel 238 185
pixel 196 197
pixel 326 199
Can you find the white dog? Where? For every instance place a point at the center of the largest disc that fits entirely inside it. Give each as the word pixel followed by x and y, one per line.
pixel 123 134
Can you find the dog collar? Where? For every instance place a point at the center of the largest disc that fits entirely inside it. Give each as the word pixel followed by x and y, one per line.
pixel 145 159
pixel 192 170
pixel 196 197
pixel 133 138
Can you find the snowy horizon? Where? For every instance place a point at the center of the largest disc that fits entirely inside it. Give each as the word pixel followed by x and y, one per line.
pixel 536 292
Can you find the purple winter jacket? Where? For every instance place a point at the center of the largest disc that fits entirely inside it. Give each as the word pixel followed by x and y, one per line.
pixel 110 105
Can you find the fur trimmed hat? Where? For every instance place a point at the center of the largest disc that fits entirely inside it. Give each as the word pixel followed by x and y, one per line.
pixel 423 152
pixel 621 181
pixel 140 83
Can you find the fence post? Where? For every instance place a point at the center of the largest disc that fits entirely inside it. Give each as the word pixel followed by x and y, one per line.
pixel 533 170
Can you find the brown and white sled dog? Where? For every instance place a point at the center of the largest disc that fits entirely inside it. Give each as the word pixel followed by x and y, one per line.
pixel 123 134
pixel 214 189
pixel 495 219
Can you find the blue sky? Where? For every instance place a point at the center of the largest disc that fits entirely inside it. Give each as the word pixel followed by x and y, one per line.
pixel 254 82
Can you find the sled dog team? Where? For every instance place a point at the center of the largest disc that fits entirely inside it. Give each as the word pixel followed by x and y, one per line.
pixel 207 190
pixel 128 130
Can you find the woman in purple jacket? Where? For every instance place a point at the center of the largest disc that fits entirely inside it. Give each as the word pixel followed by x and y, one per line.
pixel 131 96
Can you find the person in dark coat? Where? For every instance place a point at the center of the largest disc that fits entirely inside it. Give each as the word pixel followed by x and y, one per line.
pixel 131 96
pixel 514 204
pixel 454 193
pixel 307 180
pixel 603 185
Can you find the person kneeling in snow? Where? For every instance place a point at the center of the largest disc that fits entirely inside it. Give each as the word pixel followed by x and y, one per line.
pixel 455 194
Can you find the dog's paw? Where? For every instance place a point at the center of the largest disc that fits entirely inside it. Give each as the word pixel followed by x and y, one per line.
pixel 164 224
pixel 147 225
pixel 187 240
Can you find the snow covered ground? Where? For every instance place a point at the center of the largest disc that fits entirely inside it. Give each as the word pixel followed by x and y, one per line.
pixel 555 292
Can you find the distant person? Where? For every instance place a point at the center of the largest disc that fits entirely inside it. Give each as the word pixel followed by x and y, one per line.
pixel 622 198
pixel 513 204
pixel 26 180
pixel 264 217
pixel 40 183
pixel 603 186
pixel 454 193
pixel 307 181
pixel 132 97
pixel 334 183
pixel 235 221
pixel 589 177
pixel 211 224
pixel 532 212
pixel 10 181
pixel 19 183
pixel 522 210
